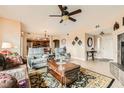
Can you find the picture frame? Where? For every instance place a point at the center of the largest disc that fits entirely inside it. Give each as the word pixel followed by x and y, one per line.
pixel 76 38
pixel 79 42
pixel 73 43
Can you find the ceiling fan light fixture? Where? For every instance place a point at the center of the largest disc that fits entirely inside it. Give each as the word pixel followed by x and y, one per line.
pixel 65 17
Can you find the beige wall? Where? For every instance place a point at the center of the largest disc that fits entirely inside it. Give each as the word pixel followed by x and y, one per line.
pixel 77 51
pixel 10 32
pixel 106 47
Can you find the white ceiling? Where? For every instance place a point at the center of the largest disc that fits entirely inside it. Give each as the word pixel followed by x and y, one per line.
pixel 35 18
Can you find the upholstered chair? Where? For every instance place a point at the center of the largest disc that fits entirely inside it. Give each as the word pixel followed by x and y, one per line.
pixel 36 58
pixel 61 53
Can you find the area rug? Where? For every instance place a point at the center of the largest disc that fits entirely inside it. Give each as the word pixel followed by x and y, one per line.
pixel 86 79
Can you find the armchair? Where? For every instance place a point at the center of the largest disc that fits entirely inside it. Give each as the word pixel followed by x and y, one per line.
pixel 61 52
pixel 36 58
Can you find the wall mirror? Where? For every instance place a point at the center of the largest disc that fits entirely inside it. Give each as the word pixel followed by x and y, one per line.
pixel 89 41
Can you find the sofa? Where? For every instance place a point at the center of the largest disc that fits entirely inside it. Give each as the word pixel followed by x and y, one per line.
pixel 13 76
pixel 14 71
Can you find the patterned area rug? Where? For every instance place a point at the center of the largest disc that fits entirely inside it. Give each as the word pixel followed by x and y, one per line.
pixel 87 79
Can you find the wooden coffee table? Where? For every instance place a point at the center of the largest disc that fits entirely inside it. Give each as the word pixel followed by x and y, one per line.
pixel 68 75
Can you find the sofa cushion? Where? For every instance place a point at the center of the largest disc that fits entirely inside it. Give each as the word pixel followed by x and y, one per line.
pixel 7 81
pixel 12 59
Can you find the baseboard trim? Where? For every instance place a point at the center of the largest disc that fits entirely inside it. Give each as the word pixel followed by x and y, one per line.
pixel 77 58
pixel 103 57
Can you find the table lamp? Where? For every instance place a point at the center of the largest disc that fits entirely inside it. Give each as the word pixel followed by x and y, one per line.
pixel 6 46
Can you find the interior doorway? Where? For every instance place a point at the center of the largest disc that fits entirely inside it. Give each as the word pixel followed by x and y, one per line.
pixel 56 43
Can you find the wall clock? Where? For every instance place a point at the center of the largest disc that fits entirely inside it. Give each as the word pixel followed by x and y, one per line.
pixel 63 41
pixel 89 42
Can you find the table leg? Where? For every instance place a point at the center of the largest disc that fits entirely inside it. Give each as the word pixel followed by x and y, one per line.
pixel 87 55
pixel 93 56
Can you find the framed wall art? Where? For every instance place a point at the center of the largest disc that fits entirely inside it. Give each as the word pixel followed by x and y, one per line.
pixel 73 43
pixel 79 42
pixel 116 26
pixel 76 38
pixel 89 41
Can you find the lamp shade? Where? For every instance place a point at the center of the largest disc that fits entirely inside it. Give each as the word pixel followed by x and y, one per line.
pixel 6 45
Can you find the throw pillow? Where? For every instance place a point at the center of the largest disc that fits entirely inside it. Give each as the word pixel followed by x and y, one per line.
pixel 8 81
pixel 24 83
pixel 13 60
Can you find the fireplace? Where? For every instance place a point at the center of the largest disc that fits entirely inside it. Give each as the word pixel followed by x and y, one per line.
pixel 117 69
pixel 122 53
pixel 121 49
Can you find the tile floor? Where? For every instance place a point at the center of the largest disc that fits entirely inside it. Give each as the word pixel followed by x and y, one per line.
pixel 100 67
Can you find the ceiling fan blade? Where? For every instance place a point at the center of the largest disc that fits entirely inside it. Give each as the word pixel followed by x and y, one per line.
pixel 72 19
pixel 61 8
pixel 75 12
pixel 55 15
pixel 61 21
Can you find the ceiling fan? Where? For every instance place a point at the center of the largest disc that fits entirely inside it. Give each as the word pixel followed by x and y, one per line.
pixel 65 15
